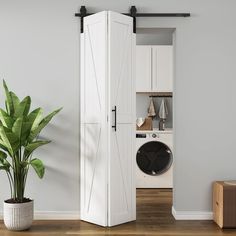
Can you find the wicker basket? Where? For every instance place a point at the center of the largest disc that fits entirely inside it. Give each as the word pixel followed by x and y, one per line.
pixel 147 125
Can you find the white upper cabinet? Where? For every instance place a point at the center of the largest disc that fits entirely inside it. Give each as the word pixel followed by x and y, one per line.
pixel 143 68
pixel 154 68
pixel 162 68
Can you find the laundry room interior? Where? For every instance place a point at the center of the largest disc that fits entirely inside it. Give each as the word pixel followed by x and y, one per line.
pixel 154 112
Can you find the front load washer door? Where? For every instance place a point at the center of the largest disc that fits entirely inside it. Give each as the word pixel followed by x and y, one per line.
pixel 154 158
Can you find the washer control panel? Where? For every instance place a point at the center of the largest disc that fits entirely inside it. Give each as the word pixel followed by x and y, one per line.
pixel 154 135
pixel 147 135
pixel 141 135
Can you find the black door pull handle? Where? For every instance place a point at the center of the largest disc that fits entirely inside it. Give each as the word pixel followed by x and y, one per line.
pixel 114 126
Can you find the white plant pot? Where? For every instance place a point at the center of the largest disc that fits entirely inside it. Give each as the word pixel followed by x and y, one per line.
pixel 18 216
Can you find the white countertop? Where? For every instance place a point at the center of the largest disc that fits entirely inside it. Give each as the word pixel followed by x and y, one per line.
pixel 155 130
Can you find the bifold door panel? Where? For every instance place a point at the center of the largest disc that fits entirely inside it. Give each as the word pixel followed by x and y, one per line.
pixel 107 153
pixel 93 120
pixel 122 96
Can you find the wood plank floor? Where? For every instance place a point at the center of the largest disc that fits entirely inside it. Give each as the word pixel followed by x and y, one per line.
pixel 153 218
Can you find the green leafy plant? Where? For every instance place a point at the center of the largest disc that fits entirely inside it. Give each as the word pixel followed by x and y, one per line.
pixel 19 130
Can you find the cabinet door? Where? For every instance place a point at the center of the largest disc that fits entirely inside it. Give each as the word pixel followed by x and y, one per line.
pixel 143 68
pixel 121 185
pixel 162 68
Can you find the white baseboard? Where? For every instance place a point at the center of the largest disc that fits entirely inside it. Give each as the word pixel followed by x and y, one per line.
pixel 75 215
pixel 192 215
pixel 53 215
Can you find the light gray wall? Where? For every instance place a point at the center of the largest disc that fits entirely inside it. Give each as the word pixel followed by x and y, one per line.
pixel 39 55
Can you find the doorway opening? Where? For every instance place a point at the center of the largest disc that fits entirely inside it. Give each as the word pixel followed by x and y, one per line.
pixel 154 124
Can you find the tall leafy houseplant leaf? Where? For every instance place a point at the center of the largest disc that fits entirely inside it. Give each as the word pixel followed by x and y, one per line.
pixel 3 146
pixel 34 145
pixel 23 108
pixel 41 125
pixel 38 167
pixel 35 117
pixel 19 130
pixel 15 100
pixel 18 127
pixel 3 155
pixel 4 164
pixel 9 140
pixel 5 167
pixel 6 119
pixel 9 101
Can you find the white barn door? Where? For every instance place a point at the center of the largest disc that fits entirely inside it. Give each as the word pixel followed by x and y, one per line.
pixel 122 195
pixel 93 139
pixel 107 154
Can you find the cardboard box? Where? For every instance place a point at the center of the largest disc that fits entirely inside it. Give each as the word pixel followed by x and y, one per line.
pixel 224 204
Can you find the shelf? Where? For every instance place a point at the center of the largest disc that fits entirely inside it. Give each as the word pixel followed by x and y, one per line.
pixel 157 94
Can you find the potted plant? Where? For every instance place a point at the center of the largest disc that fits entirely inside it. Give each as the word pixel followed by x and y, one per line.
pixel 19 130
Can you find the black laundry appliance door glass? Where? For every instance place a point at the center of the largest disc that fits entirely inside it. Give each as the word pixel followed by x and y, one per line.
pixel 154 158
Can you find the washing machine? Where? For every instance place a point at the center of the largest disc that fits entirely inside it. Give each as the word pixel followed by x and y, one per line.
pixel 154 159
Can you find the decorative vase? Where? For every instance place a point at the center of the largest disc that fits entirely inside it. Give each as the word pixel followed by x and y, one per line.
pixel 18 216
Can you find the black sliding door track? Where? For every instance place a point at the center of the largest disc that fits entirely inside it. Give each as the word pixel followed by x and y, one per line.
pixel 133 13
